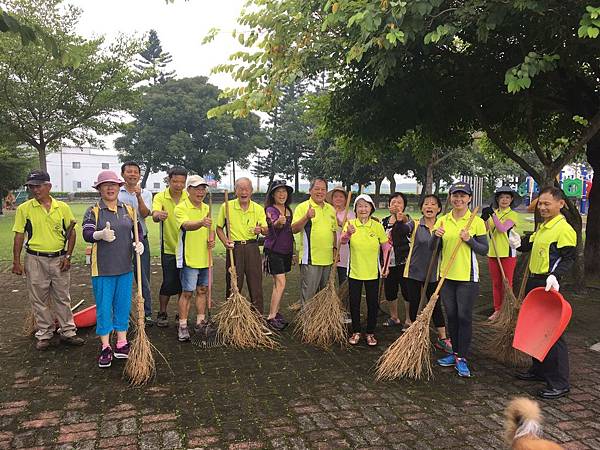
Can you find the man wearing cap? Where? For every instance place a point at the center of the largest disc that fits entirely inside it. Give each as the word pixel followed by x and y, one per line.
pixel 553 253
pixel 163 211
pixel 248 221
pixel 195 238
pixel 501 230
pixel 46 222
pixel 141 199
pixel 317 222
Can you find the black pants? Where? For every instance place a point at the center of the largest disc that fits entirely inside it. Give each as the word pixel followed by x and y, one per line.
pixel 355 292
pixel 342 273
pixel 555 367
pixel 413 289
pixel 458 298
pixel 171 284
pixel 393 282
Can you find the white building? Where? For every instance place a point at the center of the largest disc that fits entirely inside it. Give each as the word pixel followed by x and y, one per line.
pixel 74 169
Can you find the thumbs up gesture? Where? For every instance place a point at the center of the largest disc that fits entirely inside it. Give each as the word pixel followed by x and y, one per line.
pixel 310 213
pixel 440 231
pixel 106 234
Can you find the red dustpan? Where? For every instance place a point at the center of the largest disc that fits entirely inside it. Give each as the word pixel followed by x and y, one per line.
pixel 86 317
pixel 542 319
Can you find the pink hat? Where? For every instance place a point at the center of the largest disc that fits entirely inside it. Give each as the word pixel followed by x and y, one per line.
pixel 108 176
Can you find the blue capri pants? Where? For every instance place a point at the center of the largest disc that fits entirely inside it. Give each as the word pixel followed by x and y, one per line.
pixel 113 302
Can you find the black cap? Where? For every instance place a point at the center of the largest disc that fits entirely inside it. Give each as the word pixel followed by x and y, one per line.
pixel 461 186
pixel 37 178
pixel 280 183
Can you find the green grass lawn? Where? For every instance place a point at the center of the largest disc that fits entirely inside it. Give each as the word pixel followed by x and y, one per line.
pixel 6 235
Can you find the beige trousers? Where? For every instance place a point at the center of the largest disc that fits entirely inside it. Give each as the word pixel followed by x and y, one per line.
pixel 48 289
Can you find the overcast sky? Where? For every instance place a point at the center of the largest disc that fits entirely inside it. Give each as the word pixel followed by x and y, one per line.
pixel 181 26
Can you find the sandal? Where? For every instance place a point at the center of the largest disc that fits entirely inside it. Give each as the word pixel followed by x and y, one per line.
pixel 354 339
pixel 391 323
pixel 371 341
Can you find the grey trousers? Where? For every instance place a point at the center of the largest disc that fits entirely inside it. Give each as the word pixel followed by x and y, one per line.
pixel 314 278
pixel 48 289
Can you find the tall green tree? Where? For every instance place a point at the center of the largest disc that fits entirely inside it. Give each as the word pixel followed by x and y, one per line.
pixel 43 102
pixel 171 127
pixel 154 61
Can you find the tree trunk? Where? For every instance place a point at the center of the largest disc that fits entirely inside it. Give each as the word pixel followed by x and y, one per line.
pixel 427 187
pixel 592 230
pixel 392 181
pixel 271 179
pixel 377 190
pixel 145 177
pixel 41 149
pixel 296 175
pixel 233 171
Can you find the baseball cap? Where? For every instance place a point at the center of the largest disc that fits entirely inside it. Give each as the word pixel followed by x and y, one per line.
pixel 461 186
pixel 195 181
pixel 37 178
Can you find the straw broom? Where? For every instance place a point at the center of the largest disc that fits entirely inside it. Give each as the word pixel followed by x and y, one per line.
pixel 140 366
pixel 321 321
pixel 240 324
pixel 504 327
pixel 409 355
pixel 508 298
pixel 29 325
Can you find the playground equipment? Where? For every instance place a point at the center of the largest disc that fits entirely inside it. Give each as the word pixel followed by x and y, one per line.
pixel 575 181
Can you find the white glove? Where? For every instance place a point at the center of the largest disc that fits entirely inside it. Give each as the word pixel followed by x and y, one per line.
pixel 106 234
pixel 514 240
pixel 552 283
pixel 138 247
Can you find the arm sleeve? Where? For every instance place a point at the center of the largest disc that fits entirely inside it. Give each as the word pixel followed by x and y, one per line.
pixel 502 227
pixel 479 244
pixel 526 244
pixel 566 261
pixel 299 212
pixel 89 225
pixel 261 217
pixel 20 219
pixel 67 214
pixel 272 214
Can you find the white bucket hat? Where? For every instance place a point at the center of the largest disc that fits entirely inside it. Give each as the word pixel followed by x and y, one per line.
pixel 367 198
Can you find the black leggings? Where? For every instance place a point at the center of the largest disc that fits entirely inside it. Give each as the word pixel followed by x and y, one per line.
pixel 355 292
pixel 393 282
pixel 458 298
pixel 413 288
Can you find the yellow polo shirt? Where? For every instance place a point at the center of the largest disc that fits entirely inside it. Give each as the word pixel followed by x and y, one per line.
pixel 45 230
pixel 465 266
pixel 364 249
pixel 501 239
pixel 551 235
pixel 242 222
pixel 318 233
pixel 169 228
pixel 192 247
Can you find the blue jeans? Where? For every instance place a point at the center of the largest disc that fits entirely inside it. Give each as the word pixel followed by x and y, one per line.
pixel 145 259
pixel 113 302
pixel 192 278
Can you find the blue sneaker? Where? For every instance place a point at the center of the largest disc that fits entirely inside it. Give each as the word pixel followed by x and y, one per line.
pixel 462 368
pixel 447 361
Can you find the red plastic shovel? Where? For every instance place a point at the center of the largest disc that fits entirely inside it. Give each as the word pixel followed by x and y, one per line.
pixel 543 317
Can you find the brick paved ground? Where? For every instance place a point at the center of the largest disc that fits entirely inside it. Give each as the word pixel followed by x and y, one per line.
pixel 295 397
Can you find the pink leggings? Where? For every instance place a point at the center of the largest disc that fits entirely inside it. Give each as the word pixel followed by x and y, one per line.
pixel 508 264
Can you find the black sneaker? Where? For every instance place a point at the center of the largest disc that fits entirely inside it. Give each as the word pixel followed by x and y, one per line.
pixel 122 352
pixel 148 321
pixel 162 320
pixel 75 340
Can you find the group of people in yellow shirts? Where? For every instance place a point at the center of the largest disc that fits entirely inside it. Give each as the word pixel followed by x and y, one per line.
pixel 397 250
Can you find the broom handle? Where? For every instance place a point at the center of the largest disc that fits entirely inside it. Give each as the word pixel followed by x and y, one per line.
pixel 453 256
pixel 432 262
pixel 525 276
pixel 138 271
pixel 227 227
pixel 493 240
pixel 211 233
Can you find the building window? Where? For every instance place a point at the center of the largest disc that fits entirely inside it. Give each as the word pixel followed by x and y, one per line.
pixel 78 184
pixel 105 166
pixel 76 165
pixel 156 185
